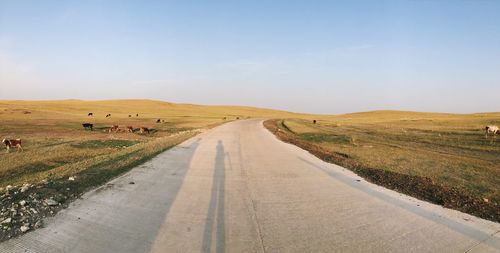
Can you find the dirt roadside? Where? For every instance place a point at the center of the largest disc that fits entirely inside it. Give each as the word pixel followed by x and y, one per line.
pixel 419 187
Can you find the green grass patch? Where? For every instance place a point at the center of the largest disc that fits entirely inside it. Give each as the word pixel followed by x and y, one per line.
pixel 104 144
pixel 319 137
pixel 8 176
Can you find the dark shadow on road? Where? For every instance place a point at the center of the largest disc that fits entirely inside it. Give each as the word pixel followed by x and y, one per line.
pixel 453 225
pixel 216 206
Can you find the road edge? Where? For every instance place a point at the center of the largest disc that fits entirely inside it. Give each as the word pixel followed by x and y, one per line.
pixel 422 188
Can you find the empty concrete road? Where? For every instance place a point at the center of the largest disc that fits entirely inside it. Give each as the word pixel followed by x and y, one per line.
pixel 236 188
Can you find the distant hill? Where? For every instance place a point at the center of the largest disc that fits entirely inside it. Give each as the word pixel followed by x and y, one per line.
pixel 146 108
pixel 155 108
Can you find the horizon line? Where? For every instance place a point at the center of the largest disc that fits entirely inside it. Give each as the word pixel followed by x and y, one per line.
pixel 247 106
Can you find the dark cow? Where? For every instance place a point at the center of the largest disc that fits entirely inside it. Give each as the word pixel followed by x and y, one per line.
pixel 144 130
pixel 12 143
pixel 314 121
pixel 108 115
pixel 129 115
pixel 137 115
pixel 237 117
pixel 90 114
pixel 158 121
pixel 88 126
pixel 224 118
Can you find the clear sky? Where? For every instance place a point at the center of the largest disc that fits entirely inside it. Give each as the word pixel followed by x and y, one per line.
pixel 305 56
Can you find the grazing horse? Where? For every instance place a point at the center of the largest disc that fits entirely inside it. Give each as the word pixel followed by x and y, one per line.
pixel 491 129
pixel 130 129
pixel 90 114
pixel 144 130
pixel 88 126
pixel 12 143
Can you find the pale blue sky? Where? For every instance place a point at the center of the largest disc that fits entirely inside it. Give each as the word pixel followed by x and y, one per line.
pixel 305 56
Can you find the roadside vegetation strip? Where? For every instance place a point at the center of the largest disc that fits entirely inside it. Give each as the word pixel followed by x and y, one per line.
pixel 417 186
pixel 453 153
pixel 104 144
pixel 24 206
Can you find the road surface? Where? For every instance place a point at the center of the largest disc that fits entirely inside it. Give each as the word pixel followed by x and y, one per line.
pixel 236 188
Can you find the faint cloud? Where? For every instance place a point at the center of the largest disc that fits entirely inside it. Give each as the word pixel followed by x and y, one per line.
pixel 15 76
pixel 157 81
pixel 244 68
pixel 360 47
pixel 163 83
pixel 342 49
pixel 12 72
pixel 66 15
pixel 18 80
pixel 5 43
pixel 244 65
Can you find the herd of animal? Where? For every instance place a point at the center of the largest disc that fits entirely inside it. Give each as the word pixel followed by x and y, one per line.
pixel 16 143
pixel 130 129
pixel 116 128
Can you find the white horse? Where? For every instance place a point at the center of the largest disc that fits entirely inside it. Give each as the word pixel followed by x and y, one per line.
pixel 492 129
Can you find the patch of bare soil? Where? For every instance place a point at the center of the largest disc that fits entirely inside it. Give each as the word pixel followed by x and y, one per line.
pixel 416 186
pixel 24 207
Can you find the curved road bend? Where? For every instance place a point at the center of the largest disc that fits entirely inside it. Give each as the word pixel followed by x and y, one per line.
pixel 237 188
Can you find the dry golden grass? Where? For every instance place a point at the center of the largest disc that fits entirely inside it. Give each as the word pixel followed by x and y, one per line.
pixel 56 145
pixel 451 149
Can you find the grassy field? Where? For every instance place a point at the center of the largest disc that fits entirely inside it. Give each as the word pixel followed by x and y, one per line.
pixel 417 150
pixel 449 149
pixel 56 145
pixel 36 183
